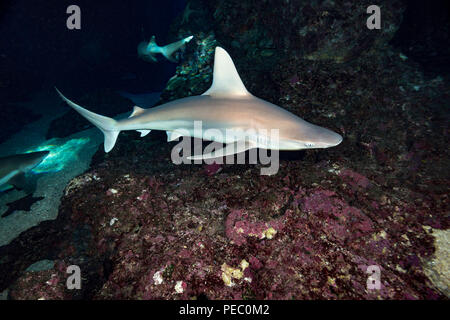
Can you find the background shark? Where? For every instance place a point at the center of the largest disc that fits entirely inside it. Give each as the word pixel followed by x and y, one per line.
pixel 14 167
pixel 225 106
pixel 148 51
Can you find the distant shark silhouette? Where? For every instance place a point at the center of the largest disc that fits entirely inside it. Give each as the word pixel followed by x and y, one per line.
pixel 148 51
pixel 226 105
pixel 14 167
pixel 145 100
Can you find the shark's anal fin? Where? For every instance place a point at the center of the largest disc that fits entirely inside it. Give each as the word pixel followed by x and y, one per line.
pixel 229 149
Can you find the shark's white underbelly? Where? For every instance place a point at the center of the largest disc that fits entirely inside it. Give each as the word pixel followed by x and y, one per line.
pixel 258 138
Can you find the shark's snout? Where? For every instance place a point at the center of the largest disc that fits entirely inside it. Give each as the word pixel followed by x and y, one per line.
pixel 35 158
pixel 43 154
pixel 38 156
pixel 321 137
pixel 334 139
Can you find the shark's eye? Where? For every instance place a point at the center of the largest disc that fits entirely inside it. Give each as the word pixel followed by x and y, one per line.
pixel 309 144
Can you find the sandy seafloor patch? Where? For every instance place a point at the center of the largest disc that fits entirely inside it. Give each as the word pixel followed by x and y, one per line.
pixel 70 157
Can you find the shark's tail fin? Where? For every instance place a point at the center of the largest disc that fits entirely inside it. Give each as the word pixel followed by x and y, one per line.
pixel 170 49
pixel 107 125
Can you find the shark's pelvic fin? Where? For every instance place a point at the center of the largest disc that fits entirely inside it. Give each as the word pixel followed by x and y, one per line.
pixel 229 149
pixel 226 80
pixel 107 125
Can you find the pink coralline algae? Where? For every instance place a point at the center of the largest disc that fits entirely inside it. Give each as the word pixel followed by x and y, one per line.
pixel 213 168
pixel 228 237
pixel 340 221
pixel 42 285
pixel 355 179
pixel 240 225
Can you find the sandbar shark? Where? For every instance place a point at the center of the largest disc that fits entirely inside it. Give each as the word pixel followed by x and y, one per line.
pixel 14 167
pixel 148 51
pixel 226 105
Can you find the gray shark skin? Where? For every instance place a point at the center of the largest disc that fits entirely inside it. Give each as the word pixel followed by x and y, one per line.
pixel 14 167
pixel 148 51
pixel 225 106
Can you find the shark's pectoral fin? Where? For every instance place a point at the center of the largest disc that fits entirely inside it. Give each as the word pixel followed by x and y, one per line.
pixel 18 181
pixel 229 149
pixel 171 58
pixel 152 57
pixel 173 135
pixel 149 57
pixel 143 132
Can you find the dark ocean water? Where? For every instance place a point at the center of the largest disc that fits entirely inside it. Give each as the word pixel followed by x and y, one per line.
pixel 37 45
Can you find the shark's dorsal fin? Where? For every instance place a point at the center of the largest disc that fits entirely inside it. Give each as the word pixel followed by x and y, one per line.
pixel 136 111
pixel 226 80
pixel 152 41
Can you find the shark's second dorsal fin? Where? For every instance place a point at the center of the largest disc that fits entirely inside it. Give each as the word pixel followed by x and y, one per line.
pixel 226 80
pixel 136 111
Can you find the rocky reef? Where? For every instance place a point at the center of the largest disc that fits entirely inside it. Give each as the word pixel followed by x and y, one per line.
pixel 141 227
